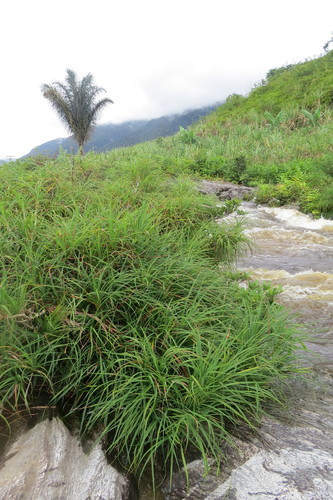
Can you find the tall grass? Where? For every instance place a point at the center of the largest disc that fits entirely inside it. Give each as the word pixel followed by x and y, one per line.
pixel 113 308
pixel 251 151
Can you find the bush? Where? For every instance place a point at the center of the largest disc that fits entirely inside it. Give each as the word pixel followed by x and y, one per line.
pixel 114 310
pixel 186 136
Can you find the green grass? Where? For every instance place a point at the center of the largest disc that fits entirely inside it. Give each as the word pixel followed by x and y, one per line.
pixel 287 166
pixel 118 307
pixel 118 304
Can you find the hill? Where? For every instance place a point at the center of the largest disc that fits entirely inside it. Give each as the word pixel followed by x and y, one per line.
pixel 303 85
pixel 279 138
pixel 110 136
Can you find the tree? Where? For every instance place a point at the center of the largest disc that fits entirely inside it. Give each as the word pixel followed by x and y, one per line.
pixel 75 102
pixel 326 46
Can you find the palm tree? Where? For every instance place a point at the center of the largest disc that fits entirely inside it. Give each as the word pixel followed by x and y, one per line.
pixel 75 103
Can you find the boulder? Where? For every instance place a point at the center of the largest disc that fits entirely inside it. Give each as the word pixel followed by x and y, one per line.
pixel 225 190
pixel 48 463
pixel 284 460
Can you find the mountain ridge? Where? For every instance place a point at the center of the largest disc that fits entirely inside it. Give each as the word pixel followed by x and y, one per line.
pixel 110 136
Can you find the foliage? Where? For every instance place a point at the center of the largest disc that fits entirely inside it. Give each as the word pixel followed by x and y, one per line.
pixel 305 85
pixel 119 304
pixel 281 133
pixel 314 117
pixel 274 121
pixel 113 308
pixel 75 102
pixel 186 136
pixel 258 139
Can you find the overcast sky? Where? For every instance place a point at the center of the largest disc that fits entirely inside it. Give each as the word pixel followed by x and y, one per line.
pixel 153 57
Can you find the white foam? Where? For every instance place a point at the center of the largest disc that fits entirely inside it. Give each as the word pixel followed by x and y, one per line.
pixel 308 238
pixel 294 218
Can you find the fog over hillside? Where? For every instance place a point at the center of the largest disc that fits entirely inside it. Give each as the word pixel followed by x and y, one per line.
pixel 110 136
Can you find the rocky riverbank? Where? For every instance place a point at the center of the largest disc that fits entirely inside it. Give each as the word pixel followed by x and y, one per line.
pixel 291 456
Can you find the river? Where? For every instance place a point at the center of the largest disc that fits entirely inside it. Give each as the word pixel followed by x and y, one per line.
pixel 295 251
pixel 292 454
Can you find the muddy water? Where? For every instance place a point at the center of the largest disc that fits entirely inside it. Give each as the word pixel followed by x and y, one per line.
pixel 296 252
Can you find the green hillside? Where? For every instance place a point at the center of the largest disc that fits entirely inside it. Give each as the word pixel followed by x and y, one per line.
pixel 279 138
pixel 295 86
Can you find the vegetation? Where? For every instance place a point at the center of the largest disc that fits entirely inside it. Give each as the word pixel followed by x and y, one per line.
pixel 279 138
pixel 115 308
pixel 118 302
pixel 75 103
pixel 283 131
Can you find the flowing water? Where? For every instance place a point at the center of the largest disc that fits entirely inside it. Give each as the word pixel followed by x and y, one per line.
pixel 296 252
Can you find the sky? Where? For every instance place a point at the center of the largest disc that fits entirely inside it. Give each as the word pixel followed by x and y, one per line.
pixel 153 57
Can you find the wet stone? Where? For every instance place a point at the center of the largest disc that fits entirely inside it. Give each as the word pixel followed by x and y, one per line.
pixel 225 190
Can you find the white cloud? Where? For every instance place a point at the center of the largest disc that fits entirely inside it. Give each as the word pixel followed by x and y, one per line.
pixel 153 57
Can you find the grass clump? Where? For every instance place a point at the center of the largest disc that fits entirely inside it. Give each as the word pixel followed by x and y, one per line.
pixel 114 310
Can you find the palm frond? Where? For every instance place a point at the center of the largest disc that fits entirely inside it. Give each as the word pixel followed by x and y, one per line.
pixel 98 108
pixel 59 104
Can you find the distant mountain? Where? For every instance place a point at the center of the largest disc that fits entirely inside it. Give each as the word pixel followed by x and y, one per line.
pixel 2 161
pixel 110 136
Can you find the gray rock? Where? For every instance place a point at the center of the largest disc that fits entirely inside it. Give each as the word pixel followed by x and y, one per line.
pixel 48 463
pixel 196 484
pixel 225 190
pixel 284 474
pixel 280 462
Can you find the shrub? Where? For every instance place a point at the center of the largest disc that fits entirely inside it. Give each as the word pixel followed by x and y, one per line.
pixel 186 136
pixel 114 310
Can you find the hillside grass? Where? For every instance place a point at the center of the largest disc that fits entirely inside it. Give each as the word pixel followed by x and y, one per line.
pixel 279 139
pixel 118 306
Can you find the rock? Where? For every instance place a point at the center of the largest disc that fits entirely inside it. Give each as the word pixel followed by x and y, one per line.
pixel 283 460
pixel 201 484
pixel 284 474
pixel 48 463
pixel 225 190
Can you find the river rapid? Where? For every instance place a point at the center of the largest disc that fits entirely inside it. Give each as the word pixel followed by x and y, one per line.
pixel 295 251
